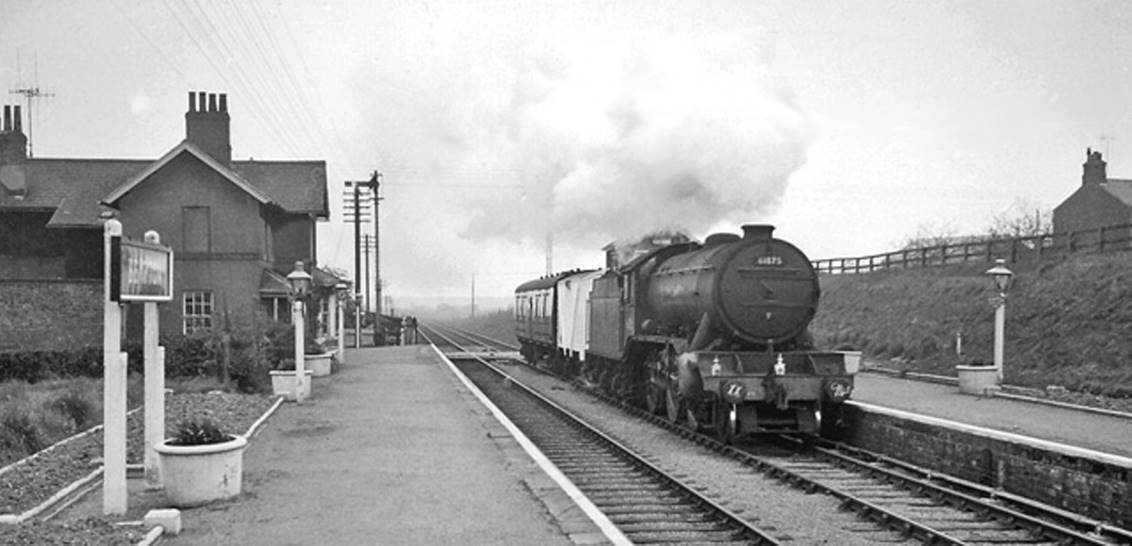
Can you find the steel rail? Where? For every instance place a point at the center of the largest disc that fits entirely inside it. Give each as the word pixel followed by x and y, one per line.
pixel 748 531
pixel 864 508
pixel 1069 525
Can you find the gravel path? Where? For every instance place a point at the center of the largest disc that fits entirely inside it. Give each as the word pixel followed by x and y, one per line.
pixel 792 514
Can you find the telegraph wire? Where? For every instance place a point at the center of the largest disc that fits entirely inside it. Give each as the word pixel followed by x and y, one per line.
pixel 261 118
pixel 227 52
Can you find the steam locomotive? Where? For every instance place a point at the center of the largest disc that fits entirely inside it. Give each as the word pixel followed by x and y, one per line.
pixel 714 335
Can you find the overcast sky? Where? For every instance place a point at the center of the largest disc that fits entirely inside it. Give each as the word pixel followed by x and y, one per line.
pixel 848 125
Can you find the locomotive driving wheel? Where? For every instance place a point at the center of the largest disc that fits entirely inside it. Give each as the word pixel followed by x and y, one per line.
pixel 673 404
pixel 654 398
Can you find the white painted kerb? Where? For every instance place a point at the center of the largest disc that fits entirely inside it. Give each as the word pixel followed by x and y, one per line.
pixel 1047 445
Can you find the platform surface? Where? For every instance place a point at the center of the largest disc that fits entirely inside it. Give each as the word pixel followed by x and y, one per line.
pixel 389 450
pixel 1103 433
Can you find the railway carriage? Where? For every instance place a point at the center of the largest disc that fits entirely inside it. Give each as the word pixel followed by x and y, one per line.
pixel 714 335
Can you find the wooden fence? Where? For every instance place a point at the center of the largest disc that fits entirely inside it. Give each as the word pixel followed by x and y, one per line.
pixel 1014 250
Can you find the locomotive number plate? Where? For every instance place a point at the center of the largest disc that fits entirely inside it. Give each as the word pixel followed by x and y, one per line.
pixel 769 260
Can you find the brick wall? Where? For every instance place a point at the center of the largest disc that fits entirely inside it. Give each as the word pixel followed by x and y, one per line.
pixel 1093 488
pixel 42 315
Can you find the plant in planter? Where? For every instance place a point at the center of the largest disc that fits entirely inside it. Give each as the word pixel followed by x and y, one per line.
pixel 201 463
pixel 317 358
pixel 284 382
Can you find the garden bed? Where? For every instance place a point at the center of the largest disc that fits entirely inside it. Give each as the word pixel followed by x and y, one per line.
pixel 33 481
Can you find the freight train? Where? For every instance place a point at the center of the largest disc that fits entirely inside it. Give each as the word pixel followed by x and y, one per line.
pixel 714 335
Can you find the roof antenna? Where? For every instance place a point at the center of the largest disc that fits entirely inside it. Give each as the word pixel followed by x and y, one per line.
pixel 30 92
pixel 1107 139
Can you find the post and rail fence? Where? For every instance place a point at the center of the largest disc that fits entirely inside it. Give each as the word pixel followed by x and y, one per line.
pixel 1032 249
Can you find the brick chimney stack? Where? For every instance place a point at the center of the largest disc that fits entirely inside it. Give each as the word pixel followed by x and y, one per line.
pixel 1094 167
pixel 13 141
pixel 207 125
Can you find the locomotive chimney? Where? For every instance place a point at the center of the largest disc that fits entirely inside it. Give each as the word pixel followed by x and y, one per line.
pixel 757 232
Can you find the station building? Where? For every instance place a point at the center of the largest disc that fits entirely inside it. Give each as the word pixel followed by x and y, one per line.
pixel 236 228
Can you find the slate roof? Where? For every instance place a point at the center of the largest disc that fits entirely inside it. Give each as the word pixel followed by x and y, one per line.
pixel 1119 187
pixel 70 187
pixel 75 188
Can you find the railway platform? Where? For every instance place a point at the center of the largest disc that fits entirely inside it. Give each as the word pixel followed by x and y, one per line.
pixel 392 449
pixel 1108 433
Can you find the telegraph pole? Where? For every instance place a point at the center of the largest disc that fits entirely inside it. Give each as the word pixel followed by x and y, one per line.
pixel 375 185
pixel 356 210
pixel 366 246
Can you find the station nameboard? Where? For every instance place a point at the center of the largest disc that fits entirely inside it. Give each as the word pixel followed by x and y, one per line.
pixel 140 271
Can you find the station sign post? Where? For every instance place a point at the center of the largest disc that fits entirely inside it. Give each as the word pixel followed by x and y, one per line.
pixel 134 271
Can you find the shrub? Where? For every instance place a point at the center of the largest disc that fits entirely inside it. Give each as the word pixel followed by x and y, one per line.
pixel 196 432
pixel 78 407
pixel 18 430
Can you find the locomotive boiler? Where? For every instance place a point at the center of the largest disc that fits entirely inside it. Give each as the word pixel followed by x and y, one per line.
pixel 714 335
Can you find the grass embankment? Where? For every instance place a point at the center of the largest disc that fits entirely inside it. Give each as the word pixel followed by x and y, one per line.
pixel 36 415
pixel 1068 323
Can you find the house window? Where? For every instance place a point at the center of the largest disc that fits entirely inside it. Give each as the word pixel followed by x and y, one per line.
pixel 197 229
pixel 197 311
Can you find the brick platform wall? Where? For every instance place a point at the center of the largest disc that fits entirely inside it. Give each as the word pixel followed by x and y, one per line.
pixel 50 314
pixel 1096 489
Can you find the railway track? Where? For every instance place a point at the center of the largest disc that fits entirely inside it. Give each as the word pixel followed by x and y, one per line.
pixel 922 505
pixel 646 504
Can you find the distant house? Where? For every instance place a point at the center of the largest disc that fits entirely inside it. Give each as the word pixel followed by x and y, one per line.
pixel 236 227
pixel 1099 202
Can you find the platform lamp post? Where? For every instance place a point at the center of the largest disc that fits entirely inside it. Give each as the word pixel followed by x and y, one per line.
pixel 343 292
pixel 1002 278
pixel 300 283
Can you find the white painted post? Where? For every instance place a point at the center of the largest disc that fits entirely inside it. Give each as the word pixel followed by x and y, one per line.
pixel 999 336
pixel 332 315
pixel 341 330
pixel 300 343
pixel 114 496
pixel 154 395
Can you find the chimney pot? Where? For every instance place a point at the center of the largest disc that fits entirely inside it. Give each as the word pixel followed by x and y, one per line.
pixel 223 102
pixel 201 101
pixel 212 102
pixel 757 232
pixel 192 102
pixel 7 118
pixel 17 125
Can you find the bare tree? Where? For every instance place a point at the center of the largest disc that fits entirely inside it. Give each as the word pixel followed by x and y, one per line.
pixel 929 234
pixel 1025 217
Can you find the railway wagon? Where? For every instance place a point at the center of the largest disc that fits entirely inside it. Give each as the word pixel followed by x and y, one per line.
pixel 713 335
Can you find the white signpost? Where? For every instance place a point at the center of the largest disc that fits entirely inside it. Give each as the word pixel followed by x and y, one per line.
pixel 134 271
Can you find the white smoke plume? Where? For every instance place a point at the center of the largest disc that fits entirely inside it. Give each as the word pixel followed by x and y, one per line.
pixel 633 135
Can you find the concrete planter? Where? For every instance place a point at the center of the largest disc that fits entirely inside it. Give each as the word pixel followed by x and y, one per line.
pixel 283 382
pixel 197 475
pixel 319 364
pixel 977 379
